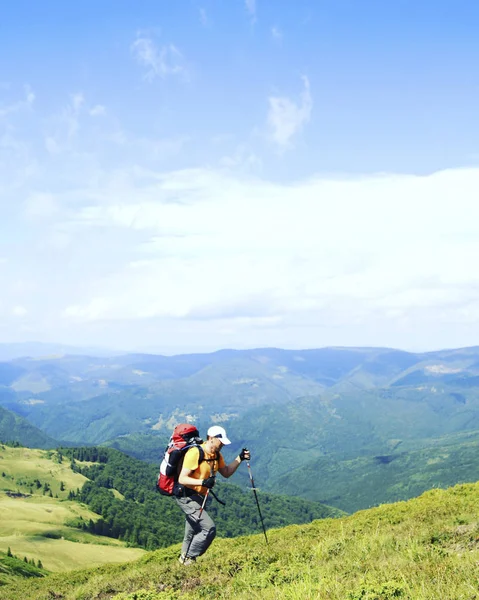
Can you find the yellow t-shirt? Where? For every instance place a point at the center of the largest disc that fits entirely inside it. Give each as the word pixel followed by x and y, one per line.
pixel 203 469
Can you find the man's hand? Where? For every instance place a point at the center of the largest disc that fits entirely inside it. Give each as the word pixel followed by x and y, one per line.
pixel 245 454
pixel 209 483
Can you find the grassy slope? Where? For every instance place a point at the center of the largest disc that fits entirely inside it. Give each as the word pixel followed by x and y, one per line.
pixel 36 525
pixel 423 549
pixel 12 568
pixel 23 465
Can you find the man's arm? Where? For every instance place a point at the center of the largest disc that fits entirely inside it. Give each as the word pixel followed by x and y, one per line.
pixel 185 477
pixel 228 470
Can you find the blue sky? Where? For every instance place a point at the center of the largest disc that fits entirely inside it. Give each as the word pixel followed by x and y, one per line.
pixel 192 175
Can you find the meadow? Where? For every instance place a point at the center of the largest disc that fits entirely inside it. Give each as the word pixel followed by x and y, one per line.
pixel 40 523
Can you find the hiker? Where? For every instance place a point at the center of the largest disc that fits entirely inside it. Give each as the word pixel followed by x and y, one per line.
pixel 198 477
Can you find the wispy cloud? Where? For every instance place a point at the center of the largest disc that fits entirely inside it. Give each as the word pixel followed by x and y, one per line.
pixel 97 111
pixel 71 113
pixel 243 158
pixel 286 118
pixel 276 33
pixel 65 125
pixel 158 61
pixel 40 204
pixel 14 107
pixel 251 8
pixel 204 17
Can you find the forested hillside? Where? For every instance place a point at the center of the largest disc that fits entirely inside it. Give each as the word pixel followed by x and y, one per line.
pixel 17 429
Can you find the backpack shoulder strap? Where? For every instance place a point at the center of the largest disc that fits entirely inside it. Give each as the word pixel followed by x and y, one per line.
pixel 212 461
pixel 216 457
pixel 183 453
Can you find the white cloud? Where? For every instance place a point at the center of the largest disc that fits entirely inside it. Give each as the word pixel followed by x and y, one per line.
pixel 93 310
pixel 338 253
pixel 159 62
pixel 286 118
pixel 19 311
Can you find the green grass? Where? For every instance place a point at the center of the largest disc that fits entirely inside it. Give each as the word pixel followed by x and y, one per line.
pixel 41 527
pixel 423 549
pixel 12 567
pixel 20 467
pixel 37 527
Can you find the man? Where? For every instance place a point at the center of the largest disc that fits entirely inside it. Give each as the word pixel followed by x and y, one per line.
pixel 198 477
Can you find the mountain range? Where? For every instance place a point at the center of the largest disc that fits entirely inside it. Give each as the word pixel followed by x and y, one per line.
pixel 325 424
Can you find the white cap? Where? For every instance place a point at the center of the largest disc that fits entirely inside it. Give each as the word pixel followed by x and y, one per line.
pixel 220 433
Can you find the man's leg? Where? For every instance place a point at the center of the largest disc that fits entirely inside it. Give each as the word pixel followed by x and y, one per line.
pixel 200 530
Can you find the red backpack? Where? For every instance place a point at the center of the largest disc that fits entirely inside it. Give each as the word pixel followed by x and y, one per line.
pixel 183 438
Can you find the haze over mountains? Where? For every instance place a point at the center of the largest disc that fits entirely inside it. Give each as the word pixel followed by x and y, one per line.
pixel 353 417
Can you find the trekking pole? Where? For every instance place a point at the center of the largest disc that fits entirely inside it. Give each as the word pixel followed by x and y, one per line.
pixel 257 501
pixel 199 517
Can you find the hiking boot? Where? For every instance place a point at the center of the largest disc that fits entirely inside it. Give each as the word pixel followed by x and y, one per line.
pixel 187 560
